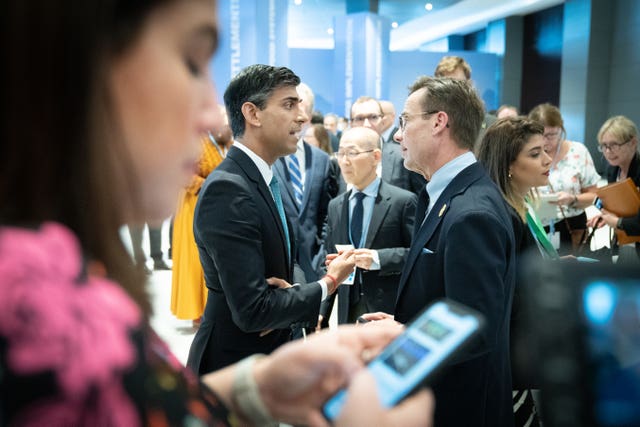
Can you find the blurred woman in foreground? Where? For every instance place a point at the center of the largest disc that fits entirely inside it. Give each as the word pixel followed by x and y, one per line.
pixel 123 97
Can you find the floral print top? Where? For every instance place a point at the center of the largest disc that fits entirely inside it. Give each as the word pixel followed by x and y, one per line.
pixel 571 174
pixel 73 348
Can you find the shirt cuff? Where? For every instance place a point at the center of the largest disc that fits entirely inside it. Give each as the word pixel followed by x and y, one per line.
pixel 375 264
pixel 323 286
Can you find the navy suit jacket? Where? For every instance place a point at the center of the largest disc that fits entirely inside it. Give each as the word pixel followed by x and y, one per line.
pixel 241 242
pixel 466 251
pixel 308 219
pixel 390 230
pixel 393 170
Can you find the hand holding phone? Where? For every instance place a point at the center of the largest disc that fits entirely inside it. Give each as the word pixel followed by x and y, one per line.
pixel 412 358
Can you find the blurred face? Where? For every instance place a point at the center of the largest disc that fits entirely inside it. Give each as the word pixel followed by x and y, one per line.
pixel 531 167
pixel 331 124
pixel 617 153
pixel 507 112
pixel 367 114
pixel 281 123
pixel 310 137
pixel 458 74
pixel 358 158
pixel 552 136
pixel 415 139
pixel 165 101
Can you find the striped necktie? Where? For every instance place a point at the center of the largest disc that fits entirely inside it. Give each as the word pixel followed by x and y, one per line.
pixel 277 198
pixel 296 177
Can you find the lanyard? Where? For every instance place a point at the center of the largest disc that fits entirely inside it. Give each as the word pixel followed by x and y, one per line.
pixel 541 237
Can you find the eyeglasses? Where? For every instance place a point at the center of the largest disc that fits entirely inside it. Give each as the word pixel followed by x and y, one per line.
pixel 351 154
pixel 373 118
pixel 613 146
pixel 402 120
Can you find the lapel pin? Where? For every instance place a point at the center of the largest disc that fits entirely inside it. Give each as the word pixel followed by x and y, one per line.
pixel 444 207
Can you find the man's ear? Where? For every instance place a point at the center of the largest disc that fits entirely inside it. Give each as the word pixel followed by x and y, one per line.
pixel 251 114
pixel 377 153
pixel 441 122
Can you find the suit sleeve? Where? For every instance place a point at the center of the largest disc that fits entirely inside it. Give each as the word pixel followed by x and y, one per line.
pixel 478 242
pixel 392 259
pixel 631 225
pixel 228 226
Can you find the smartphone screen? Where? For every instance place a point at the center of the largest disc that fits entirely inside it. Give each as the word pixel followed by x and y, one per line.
pixel 408 360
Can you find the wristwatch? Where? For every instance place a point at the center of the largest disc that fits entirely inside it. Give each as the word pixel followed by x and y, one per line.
pixel 619 224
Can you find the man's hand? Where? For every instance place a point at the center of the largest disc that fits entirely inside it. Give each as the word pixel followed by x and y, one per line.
pixel 364 258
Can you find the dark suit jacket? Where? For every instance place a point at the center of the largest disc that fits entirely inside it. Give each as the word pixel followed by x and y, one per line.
pixel 393 170
pixel 390 230
pixel 466 251
pixel 308 219
pixel 241 242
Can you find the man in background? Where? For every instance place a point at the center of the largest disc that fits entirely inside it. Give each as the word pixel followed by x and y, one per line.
pixel 377 219
pixel 367 112
pixel 307 186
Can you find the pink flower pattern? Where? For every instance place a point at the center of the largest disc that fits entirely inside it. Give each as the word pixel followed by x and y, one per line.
pixel 54 322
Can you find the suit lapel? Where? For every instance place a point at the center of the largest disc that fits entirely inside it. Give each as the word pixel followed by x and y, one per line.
pixel 252 172
pixel 343 221
pixel 437 213
pixel 282 171
pixel 309 178
pixel 380 208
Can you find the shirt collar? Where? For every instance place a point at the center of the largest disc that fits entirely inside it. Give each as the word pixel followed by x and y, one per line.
pixel 443 176
pixel 370 190
pixel 263 167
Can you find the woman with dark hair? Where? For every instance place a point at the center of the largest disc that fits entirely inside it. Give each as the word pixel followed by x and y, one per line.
pixel 512 152
pixel 123 96
pixel 572 180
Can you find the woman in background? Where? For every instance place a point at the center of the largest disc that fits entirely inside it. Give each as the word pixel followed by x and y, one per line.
pixel 618 143
pixel 188 290
pixel 572 179
pixel 123 96
pixel 512 152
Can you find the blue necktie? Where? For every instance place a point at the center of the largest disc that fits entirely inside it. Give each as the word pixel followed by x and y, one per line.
pixel 296 177
pixel 356 220
pixel 356 236
pixel 275 191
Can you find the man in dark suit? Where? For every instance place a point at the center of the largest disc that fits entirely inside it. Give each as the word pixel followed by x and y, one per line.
pixel 367 112
pixel 463 248
pixel 377 219
pixel 242 234
pixel 307 186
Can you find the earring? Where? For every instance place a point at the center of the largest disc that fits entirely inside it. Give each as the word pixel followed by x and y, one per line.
pixel 510 175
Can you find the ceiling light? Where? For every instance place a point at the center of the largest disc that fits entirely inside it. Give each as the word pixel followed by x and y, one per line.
pixel 297 2
pixel 428 6
pixel 330 31
pixel 394 24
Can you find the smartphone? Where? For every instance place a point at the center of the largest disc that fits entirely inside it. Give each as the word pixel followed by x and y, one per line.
pixel 441 330
pixel 597 203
